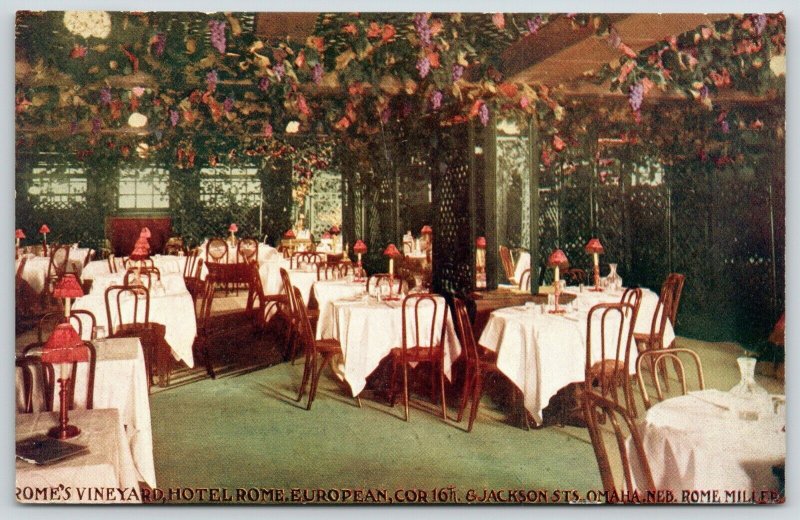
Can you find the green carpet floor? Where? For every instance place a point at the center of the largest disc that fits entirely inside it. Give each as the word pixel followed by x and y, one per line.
pixel 245 430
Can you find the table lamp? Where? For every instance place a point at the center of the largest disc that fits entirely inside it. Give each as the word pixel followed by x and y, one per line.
pixel 392 252
pixel 141 251
pixel 233 228
pixel 557 260
pixel 335 231
pixel 67 288
pixel 359 249
pixel 480 261
pixel 62 348
pixel 44 230
pixel 595 248
pixel 19 235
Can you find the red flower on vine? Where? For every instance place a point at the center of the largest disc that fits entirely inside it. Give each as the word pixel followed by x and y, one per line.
pixel 78 51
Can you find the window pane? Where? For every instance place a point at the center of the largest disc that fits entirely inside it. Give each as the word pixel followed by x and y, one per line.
pixel 127 201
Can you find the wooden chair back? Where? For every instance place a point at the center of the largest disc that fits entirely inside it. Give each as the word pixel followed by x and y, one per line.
pixel 465 333
pixel 145 274
pixel 247 250
pixel 525 280
pixel 609 339
pixel 80 319
pixel 59 260
pixel 661 317
pixel 332 270
pixel 424 334
pixel 657 361
pixel 600 410
pixel 115 295
pixel 217 251
pixel 306 258
pixel 375 281
pixel 508 264
pixel 674 285
pixel 574 276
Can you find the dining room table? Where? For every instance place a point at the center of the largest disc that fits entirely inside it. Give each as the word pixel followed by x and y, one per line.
pixel 327 291
pixel 120 382
pixel 369 328
pixel 170 305
pixel 703 447
pixel 166 264
pixel 542 352
pixel 105 473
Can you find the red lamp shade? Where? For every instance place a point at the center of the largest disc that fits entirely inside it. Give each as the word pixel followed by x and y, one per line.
pixel 233 228
pixel 20 234
pixel 144 233
pixel 391 251
pixel 141 249
pixel 335 230
pixel 68 287
pixel 426 230
pixel 558 259
pixel 64 346
pixel 480 242
pixel 44 229
pixel 360 247
pixel 594 246
pixel 289 234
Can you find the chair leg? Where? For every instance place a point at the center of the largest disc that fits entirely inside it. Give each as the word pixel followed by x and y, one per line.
pixel 405 388
pixel 392 382
pixel 441 384
pixel 476 398
pixel 466 392
pixel 306 372
pixel 315 382
pixel 207 356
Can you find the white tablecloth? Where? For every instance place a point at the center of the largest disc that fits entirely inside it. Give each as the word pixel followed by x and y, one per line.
pixel 693 443
pixel 120 381
pixel 107 465
pixel 270 274
pixel 524 262
pixel 35 272
pixel 542 353
pixel 327 291
pixel 174 311
pixel 368 330
pixel 171 283
pixel 167 264
pixel 265 253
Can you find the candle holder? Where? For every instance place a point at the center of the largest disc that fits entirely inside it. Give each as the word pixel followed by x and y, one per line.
pixel 595 248
pixel 557 260
pixel 64 347
pixel 392 296
pixel 359 248
pixel 392 252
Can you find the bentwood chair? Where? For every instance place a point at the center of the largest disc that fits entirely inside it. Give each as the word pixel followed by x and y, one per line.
pixel 525 280
pixel 217 251
pixel 326 349
pixel 574 276
pixel 508 265
pixel 130 305
pixel 611 325
pixel 205 332
pixel 654 339
pixel 655 358
pixel 423 344
pixel 247 251
pixel 480 362
pixel 376 281
pixel 600 410
pixel 47 375
pixel 145 275
pixel 33 374
pixel 59 260
pixel 332 270
pixel 293 315
pixel 192 272
pixel 306 258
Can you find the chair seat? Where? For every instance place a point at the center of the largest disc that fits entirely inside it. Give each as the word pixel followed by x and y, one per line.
pixel 607 367
pixel 419 354
pixel 328 345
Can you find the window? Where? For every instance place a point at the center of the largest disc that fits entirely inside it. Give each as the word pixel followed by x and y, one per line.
pixel 143 188
pixel 224 186
pixel 57 187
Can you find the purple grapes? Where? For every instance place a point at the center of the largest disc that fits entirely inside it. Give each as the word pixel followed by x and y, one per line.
pixel 316 73
pixel 458 71
pixel 424 67
pixel 263 84
pixel 174 117
pixel 105 95
pixel 483 114
pixel 436 99
pixel 211 80
pixel 635 96
pixel 760 23
pixel 160 44
pixel 228 104
pixel 280 70
pixel 217 30
pixel 96 125
pixel 533 25
pixel 422 28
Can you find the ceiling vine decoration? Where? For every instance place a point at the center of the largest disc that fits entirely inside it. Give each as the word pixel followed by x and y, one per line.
pixel 198 88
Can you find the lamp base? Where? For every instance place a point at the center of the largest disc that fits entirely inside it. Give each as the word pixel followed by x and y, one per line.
pixel 67 432
pixel 557 311
pixel 596 289
pixel 392 298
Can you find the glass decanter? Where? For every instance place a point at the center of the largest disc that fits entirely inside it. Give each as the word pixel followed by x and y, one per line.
pixel 613 280
pixel 752 397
